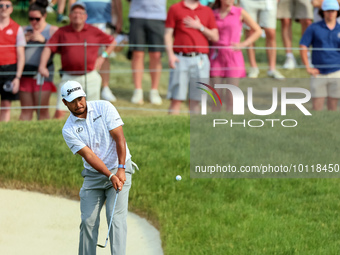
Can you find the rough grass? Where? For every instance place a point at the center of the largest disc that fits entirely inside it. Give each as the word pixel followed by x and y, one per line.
pixel 194 216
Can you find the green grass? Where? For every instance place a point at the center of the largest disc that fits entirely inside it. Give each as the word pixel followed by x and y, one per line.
pixel 194 216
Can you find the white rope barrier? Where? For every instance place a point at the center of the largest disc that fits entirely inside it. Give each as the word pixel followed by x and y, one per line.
pixel 164 70
pixel 174 46
pixel 118 107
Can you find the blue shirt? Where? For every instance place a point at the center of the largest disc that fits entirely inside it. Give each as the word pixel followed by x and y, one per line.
pixel 148 9
pixel 98 11
pixel 320 36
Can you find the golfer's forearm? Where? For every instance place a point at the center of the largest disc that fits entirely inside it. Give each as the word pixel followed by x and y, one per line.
pixel 94 161
pixel 121 151
pixel 118 135
pixel 98 164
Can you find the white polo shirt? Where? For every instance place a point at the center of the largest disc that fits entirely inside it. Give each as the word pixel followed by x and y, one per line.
pixel 93 132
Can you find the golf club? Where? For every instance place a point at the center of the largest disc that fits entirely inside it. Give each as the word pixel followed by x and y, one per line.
pixel 108 232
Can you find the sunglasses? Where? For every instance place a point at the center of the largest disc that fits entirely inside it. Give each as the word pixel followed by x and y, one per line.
pixel 5 5
pixel 33 18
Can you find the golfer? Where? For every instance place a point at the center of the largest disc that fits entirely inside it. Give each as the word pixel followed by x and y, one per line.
pixel 94 131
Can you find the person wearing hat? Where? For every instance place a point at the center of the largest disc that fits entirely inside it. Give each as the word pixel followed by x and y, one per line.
pixel 12 58
pixel 94 130
pixel 107 15
pixel 73 56
pixel 317 6
pixel 325 74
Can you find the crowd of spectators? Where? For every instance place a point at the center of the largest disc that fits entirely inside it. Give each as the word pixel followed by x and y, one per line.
pixel 185 32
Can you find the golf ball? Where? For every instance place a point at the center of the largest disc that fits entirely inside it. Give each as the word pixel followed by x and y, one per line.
pixel 178 177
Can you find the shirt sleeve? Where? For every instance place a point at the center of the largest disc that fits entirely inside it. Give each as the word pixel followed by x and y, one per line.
pixel 211 21
pixel 72 141
pixel 112 117
pixel 21 41
pixel 53 41
pixel 170 19
pixel 103 37
pixel 307 37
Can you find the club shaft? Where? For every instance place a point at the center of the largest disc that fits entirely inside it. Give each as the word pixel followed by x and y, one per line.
pixel 113 210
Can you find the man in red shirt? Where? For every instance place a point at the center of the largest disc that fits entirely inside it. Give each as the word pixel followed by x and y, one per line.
pixel 73 62
pixel 192 25
pixel 12 58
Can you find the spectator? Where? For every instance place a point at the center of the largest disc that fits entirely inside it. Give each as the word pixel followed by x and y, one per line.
pixel 288 10
pixel 102 14
pixel 326 71
pixel 38 32
pixel 12 58
pixel 72 57
pixel 191 24
pixel 317 5
pixel 147 27
pixel 264 13
pixel 227 64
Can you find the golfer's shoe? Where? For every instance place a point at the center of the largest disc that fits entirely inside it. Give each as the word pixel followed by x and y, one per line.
pixel 155 97
pixel 137 97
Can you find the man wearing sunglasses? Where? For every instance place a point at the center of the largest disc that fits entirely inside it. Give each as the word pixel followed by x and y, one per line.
pixel 12 58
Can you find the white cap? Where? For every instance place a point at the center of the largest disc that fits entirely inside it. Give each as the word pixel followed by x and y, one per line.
pixel 72 90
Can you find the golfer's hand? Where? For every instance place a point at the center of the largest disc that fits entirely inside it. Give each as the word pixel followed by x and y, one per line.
pixel 116 183
pixel 121 175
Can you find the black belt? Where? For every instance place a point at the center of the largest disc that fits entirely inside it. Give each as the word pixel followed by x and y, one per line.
pixel 189 54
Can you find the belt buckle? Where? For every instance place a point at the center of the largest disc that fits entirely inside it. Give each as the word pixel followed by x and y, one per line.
pixel 193 54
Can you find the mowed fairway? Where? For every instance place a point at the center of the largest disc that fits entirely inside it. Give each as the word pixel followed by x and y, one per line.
pixel 194 216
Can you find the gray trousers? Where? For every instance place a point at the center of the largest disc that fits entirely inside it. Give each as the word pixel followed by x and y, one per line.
pixel 95 191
